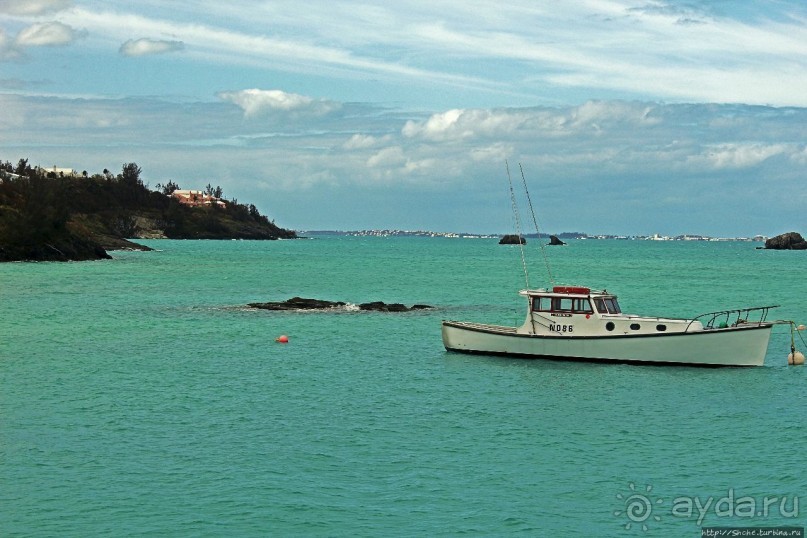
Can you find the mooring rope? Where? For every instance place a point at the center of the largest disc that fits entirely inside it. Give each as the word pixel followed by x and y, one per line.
pixel 518 225
pixel 537 229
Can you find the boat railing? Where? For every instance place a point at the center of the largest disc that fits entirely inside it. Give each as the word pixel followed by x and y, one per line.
pixel 723 319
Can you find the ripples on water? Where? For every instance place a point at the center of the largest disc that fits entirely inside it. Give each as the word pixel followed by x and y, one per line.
pixel 138 396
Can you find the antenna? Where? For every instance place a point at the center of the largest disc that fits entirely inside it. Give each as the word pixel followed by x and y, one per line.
pixel 535 222
pixel 518 225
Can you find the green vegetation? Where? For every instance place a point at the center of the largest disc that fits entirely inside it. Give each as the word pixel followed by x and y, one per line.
pixel 50 216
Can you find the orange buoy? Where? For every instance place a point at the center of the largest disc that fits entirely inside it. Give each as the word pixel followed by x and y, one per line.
pixel 282 339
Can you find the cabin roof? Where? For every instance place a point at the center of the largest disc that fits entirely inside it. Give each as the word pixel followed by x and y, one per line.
pixel 566 291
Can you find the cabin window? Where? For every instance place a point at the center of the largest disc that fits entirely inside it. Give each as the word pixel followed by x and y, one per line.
pixel 635 326
pixel 600 304
pixel 609 326
pixel 561 304
pixel 661 328
pixel 582 306
pixel 541 304
pixel 612 305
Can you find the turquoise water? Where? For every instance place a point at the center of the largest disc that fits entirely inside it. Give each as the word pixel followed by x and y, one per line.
pixel 139 397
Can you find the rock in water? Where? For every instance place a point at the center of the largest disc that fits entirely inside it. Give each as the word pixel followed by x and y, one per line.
pixel 788 241
pixel 553 240
pixel 299 303
pixel 379 306
pixel 512 239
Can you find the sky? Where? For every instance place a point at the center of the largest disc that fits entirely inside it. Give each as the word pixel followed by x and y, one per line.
pixel 626 117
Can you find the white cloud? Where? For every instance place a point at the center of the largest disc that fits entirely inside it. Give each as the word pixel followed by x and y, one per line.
pixel 145 47
pixel 216 43
pixel 32 7
pixel 392 157
pixel 497 152
pixel 592 113
pixel 48 34
pixel 464 124
pixel 592 116
pixel 7 49
pixel 422 166
pixel 255 102
pixel 362 141
pixel 437 126
pixel 397 164
pixel 800 156
pixel 521 53
pixel 745 155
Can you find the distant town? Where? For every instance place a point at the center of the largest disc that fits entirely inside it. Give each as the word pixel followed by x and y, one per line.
pixel 564 235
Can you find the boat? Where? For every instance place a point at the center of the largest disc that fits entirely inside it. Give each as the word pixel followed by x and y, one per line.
pixel 579 323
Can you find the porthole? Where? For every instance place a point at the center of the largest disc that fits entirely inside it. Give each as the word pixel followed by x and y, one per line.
pixel 661 328
pixel 635 326
pixel 609 326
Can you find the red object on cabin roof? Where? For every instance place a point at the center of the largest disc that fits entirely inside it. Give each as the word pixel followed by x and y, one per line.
pixel 571 289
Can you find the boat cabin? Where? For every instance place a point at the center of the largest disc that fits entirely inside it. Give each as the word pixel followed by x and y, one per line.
pixel 581 311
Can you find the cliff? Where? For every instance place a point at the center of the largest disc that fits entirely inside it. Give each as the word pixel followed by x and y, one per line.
pixel 80 218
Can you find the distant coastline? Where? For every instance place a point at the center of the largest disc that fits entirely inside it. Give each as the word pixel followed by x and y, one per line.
pixel 564 235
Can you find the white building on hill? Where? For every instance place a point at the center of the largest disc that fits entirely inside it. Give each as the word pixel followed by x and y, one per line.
pixel 66 172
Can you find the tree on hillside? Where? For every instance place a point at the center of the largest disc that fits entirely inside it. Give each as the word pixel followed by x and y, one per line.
pixel 35 212
pixel 23 168
pixel 129 186
pixel 168 189
pixel 130 174
pixel 215 192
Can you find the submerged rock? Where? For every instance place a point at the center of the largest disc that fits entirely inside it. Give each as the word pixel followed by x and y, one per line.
pixel 379 306
pixel 788 241
pixel 300 303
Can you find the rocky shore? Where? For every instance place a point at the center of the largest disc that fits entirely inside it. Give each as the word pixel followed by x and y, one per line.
pixel 65 247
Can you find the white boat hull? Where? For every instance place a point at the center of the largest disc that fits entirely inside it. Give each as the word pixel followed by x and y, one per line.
pixel 731 346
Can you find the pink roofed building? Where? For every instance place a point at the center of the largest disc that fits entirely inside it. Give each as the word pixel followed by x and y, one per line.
pixel 196 198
